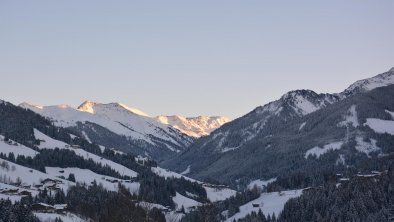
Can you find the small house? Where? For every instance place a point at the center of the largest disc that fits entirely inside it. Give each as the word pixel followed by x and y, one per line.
pixel 42 207
pixel 25 193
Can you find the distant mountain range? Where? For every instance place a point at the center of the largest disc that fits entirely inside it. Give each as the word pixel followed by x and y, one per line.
pixel 129 129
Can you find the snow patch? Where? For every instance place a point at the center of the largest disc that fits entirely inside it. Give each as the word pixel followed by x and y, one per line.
pixel 260 183
pixel 318 151
pixel 380 126
pixel 365 147
pixel 186 171
pixel 215 194
pixel 302 126
pixel 351 118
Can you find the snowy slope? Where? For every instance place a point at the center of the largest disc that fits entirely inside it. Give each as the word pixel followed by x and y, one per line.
pixel 67 217
pixel 269 203
pixel 141 126
pixel 49 143
pixel 28 176
pixel 16 148
pixel 87 176
pixel 187 203
pixel 194 126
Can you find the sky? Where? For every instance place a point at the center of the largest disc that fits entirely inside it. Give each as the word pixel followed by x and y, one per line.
pixel 215 57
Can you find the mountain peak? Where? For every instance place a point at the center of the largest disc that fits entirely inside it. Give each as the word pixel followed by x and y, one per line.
pixel 89 106
pixel 194 126
pixel 364 85
pixel 28 105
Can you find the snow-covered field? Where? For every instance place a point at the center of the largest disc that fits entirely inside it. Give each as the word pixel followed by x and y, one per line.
pixel 269 203
pixel 52 144
pixel 318 151
pixel 67 217
pixel 87 176
pixel 15 148
pixel 28 176
pixel 187 203
pixel 381 126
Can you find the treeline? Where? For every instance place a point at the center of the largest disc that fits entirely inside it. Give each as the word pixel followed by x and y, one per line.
pixel 258 217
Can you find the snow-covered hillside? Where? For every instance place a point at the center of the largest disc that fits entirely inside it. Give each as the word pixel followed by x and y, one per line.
pixel 135 125
pixel 49 143
pixel 9 146
pixel 194 126
pixel 268 203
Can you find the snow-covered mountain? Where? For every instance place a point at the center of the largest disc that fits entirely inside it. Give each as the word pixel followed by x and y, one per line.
pixel 270 132
pixel 194 126
pixel 93 120
pixel 384 79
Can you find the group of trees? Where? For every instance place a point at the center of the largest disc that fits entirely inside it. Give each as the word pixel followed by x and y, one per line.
pixel 360 199
pixel 258 217
pixel 97 203
pixel 61 158
pixel 160 190
pixel 16 212
pixel 233 203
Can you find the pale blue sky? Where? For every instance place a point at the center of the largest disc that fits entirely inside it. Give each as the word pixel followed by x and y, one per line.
pixel 189 57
